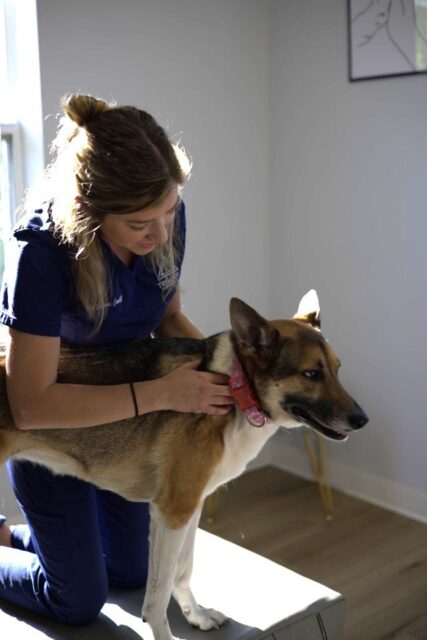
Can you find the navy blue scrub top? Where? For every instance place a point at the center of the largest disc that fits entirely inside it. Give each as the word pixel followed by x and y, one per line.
pixel 38 292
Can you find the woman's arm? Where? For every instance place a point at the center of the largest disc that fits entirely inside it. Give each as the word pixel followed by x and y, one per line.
pixel 37 401
pixel 186 385
pixel 175 324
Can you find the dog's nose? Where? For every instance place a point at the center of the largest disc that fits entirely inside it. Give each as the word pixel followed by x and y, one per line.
pixel 358 419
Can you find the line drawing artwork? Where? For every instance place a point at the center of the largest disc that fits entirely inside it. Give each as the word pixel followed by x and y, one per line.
pixel 387 37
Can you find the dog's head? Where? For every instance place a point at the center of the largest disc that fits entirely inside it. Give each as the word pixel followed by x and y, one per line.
pixel 294 370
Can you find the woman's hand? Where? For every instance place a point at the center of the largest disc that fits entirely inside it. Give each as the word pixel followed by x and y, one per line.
pixel 191 391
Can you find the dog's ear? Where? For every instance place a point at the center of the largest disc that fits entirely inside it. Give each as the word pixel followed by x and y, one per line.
pixel 309 309
pixel 255 336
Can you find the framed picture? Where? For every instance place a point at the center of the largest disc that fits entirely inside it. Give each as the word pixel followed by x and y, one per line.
pixel 387 38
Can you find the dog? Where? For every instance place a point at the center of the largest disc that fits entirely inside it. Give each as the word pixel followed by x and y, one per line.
pixel 282 373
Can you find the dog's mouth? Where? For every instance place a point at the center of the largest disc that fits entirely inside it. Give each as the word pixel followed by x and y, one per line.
pixel 306 418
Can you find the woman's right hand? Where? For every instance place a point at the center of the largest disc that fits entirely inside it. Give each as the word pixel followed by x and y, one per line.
pixel 191 391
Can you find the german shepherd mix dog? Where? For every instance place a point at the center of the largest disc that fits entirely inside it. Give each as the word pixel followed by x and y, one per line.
pixel 282 374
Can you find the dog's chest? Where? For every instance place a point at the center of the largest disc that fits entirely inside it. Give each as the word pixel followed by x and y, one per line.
pixel 242 443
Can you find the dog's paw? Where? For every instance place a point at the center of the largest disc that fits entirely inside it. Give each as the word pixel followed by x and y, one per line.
pixel 205 619
pixel 160 630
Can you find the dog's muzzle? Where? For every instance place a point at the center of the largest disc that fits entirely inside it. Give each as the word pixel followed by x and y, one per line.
pixel 355 420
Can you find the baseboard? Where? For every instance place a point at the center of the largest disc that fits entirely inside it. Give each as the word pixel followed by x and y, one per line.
pixel 360 484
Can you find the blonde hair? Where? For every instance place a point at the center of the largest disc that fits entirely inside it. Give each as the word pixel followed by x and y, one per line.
pixel 108 159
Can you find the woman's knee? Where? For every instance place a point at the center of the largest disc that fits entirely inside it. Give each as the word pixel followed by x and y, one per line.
pixel 80 607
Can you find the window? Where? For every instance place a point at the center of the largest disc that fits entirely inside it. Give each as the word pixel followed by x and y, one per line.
pixel 11 188
pixel 21 117
pixel 5 200
pixel 7 161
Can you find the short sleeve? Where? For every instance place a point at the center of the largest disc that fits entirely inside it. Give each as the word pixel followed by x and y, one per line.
pixel 182 228
pixel 34 286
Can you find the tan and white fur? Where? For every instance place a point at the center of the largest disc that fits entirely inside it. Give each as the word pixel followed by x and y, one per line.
pixel 174 460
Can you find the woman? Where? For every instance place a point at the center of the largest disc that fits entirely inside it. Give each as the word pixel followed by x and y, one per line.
pixel 97 262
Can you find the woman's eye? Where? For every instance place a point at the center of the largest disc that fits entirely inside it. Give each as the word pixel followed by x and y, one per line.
pixel 312 374
pixel 139 227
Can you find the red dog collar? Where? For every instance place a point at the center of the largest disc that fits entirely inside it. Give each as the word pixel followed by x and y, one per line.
pixel 242 393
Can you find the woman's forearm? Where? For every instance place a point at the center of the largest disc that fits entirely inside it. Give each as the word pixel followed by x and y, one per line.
pixel 37 402
pixel 67 406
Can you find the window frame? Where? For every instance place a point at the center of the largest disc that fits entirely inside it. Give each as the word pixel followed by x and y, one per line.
pixel 11 134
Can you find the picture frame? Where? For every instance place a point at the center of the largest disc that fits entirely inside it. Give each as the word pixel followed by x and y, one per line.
pixel 387 38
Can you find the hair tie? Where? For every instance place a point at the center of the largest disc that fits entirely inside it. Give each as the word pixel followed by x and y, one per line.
pixel 135 403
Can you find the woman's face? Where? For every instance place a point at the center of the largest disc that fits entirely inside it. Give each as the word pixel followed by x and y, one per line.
pixel 140 232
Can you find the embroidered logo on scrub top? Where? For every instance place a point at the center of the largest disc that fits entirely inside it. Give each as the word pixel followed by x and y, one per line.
pixel 167 279
pixel 115 302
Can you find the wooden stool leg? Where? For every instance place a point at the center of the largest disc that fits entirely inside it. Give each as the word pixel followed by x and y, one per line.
pixel 211 506
pixel 324 472
pixel 319 466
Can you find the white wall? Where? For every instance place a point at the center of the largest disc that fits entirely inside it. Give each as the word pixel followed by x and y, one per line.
pixel 348 218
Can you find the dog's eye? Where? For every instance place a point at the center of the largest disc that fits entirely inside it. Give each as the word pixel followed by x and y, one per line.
pixel 312 374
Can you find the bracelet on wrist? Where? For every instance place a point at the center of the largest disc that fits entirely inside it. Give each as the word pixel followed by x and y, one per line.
pixel 135 402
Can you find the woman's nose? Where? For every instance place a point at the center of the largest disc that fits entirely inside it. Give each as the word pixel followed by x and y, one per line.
pixel 159 231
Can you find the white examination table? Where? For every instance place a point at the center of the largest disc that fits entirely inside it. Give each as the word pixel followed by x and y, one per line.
pixel 263 600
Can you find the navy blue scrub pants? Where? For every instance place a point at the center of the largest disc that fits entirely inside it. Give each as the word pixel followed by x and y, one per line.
pixel 78 540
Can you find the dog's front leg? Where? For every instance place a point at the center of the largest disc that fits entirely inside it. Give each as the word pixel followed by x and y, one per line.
pixel 165 547
pixel 196 615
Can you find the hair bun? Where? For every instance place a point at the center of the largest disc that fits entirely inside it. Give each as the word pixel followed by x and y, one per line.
pixel 83 109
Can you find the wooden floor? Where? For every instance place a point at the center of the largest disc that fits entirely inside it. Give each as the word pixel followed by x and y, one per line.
pixel 375 558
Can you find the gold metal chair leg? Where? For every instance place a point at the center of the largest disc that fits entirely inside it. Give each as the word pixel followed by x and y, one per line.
pixel 211 506
pixel 319 464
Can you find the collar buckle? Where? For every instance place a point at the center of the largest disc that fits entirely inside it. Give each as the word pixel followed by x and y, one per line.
pixel 245 399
